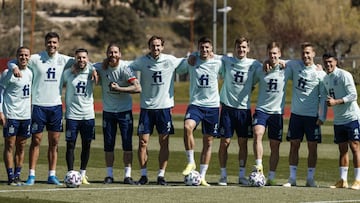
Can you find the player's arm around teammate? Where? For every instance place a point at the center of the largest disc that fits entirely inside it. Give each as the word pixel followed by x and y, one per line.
pixel 203 107
pixel 79 114
pixel 342 97
pixel 15 115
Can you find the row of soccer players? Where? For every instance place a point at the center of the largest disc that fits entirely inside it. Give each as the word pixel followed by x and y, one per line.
pixel 313 90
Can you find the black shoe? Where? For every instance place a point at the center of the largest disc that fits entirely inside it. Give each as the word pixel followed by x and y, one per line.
pixel 11 182
pixel 129 180
pixel 108 180
pixel 161 181
pixel 143 180
pixel 18 181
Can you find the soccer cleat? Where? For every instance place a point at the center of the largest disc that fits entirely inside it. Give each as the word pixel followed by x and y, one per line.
pixel 243 181
pixel 310 183
pixel 340 184
pixel 204 183
pixel 84 180
pixel 129 181
pixel 258 168
pixel 108 180
pixel 30 180
pixel 11 182
pixel 18 181
pixel 188 169
pixel 291 182
pixel 223 181
pixel 270 182
pixel 143 180
pixel 356 185
pixel 53 180
pixel 161 180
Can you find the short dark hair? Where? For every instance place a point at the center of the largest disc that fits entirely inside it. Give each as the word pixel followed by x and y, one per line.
pixel 21 48
pixel 113 44
pixel 273 45
pixel 50 35
pixel 307 44
pixel 154 37
pixel 241 40
pixel 329 55
pixel 79 50
pixel 204 40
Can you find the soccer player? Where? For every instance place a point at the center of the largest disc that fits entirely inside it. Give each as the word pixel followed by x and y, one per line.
pixel 47 67
pixel 156 100
pixel 308 112
pixel 269 110
pixel 117 82
pixel 238 74
pixel 79 114
pixel 15 114
pixel 342 97
pixel 203 106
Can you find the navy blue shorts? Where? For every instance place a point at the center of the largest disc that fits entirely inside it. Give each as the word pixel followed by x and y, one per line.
pixel 235 120
pixel 347 132
pixel 110 123
pixel 274 123
pixel 209 118
pixel 161 118
pixel 85 127
pixel 17 128
pixel 300 125
pixel 51 117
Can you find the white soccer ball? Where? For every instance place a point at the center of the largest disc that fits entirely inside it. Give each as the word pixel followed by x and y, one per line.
pixel 192 179
pixel 73 179
pixel 257 179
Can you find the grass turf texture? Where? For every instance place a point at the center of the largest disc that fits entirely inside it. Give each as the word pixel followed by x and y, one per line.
pixel 326 175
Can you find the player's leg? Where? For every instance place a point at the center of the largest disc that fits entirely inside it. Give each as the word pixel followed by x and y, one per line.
pixel 38 123
pixel 20 144
pixel 87 132
pixel 125 121
pixel 145 129
pixel 164 128
pixel 294 136
pixel 259 126
pixel 275 126
pixel 354 144
pixel 21 139
pixel 312 159
pixel 226 132
pixel 223 156
pixel 109 133
pixel 205 157
pixel 70 138
pixel 341 138
pixel 313 137
pixel 54 127
pixel 355 149
pixel 192 118
pixel 163 158
pixel 210 129
pixel 242 157
pixel 143 157
pixel 9 145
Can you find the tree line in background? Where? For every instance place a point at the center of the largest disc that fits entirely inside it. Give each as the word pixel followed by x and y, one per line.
pixel 331 25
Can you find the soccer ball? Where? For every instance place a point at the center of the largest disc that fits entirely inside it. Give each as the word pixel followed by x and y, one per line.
pixel 72 179
pixel 256 179
pixel 192 179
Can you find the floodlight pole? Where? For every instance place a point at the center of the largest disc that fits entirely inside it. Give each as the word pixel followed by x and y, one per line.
pixel 214 26
pixel 22 23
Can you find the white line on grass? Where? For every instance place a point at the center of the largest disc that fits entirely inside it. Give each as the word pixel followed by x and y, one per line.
pixel 109 188
pixel 336 201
